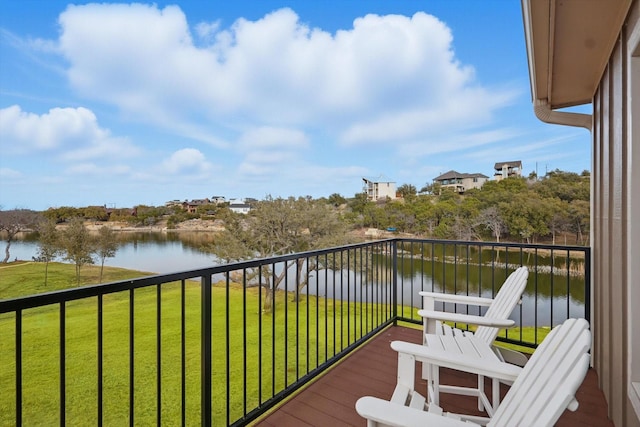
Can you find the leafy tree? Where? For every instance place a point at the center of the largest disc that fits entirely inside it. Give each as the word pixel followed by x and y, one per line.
pixel 407 191
pixel 77 245
pixel 359 203
pixel 48 244
pixel 13 222
pixel 336 200
pixel 431 188
pixel 277 227
pixel 106 246
pixel 95 213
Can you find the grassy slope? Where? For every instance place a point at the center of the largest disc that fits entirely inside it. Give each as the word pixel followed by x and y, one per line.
pixel 41 349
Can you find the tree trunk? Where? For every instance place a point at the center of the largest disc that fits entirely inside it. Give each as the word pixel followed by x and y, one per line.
pixel 46 272
pixel 267 305
pixel 6 251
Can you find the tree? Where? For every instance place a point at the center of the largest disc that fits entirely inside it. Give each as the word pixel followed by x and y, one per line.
pixel 13 222
pixel 106 246
pixel 77 245
pixel 277 227
pixel 407 191
pixel 491 219
pixel 336 200
pixel 48 244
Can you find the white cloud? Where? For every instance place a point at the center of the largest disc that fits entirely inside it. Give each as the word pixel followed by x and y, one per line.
pixel 187 161
pixel 8 173
pixel 91 169
pixel 70 133
pixel 389 78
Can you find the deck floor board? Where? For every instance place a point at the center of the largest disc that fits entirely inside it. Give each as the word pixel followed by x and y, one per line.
pixel 371 370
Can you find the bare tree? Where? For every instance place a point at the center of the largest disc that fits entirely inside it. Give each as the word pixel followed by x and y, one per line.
pixel 48 244
pixel 106 246
pixel 13 222
pixel 491 219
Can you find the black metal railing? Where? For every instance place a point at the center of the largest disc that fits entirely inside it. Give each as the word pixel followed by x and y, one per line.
pixel 223 345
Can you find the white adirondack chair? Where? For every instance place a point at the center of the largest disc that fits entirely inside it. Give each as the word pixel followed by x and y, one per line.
pixel 544 388
pixel 440 335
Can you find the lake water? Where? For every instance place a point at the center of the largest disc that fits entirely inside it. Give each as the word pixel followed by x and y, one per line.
pixel 159 253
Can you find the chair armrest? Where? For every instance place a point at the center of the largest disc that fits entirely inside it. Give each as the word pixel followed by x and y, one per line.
pixel 469 319
pixel 458 299
pixel 393 414
pixel 494 369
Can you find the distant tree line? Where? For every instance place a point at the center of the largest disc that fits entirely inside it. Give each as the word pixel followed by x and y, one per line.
pixel 514 209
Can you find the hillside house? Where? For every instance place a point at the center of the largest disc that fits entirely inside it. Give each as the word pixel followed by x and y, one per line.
pixel 507 170
pixel 460 182
pixel 193 205
pixel 239 207
pixel 379 188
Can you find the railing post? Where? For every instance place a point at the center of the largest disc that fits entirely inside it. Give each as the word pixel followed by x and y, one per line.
pixel 587 284
pixel 394 281
pixel 205 356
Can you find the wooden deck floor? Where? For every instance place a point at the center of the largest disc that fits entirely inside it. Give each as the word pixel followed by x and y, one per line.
pixel 371 370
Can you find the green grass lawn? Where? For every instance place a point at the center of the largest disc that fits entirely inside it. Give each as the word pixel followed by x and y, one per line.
pixel 261 362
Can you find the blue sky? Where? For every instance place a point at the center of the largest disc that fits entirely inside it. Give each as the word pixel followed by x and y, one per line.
pixel 140 103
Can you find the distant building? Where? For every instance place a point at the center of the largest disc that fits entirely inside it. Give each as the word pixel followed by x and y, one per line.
pixel 379 188
pixel 193 205
pixel 461 182
pixel 239 207
pixel 507 170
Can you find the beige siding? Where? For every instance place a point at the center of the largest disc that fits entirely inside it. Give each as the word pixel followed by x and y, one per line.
pixel 611 234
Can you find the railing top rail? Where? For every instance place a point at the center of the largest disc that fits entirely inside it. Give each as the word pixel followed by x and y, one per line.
pixel 499 244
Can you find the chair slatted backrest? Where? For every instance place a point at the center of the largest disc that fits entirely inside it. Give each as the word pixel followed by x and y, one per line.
pixel 549 381
pixel 504 302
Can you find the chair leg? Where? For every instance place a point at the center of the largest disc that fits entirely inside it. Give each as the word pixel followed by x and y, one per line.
pixel 496 394
pixel 480 392
pixel 435 374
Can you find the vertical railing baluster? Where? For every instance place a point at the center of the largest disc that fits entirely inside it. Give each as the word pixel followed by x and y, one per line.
pixel 551 290
pixel 158 355
pixel 63 369
pixel 244 341
pixel 394 292
pixel 183 354
pixel 568 285
pixel 19 367
pixel 227 358
pixel 286 324
pixel 297 299
pixel 307 298
pixel 131 359
pixel 205 350
pixel 348 297
pixel 273 330
pixel 326 305
pixel 100 364
pixel 259 335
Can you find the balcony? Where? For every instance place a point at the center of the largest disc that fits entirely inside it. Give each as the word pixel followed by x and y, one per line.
pixel 227 345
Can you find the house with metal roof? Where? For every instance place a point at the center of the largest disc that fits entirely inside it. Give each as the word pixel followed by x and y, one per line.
pixel 460 182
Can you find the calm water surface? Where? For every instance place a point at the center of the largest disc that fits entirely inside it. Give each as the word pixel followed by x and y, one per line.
pixel 159 253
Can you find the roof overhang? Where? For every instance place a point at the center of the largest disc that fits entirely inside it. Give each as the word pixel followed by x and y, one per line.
pixel 569 43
